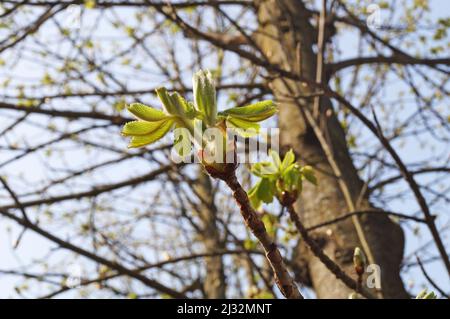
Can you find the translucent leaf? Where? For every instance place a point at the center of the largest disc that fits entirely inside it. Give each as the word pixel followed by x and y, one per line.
pixel 182 107
pixel 192 112
pixel 242 127
pixel 136 128
pixel 146 113
pixel 264 169
pixel 142 140
pixel 424 294
pixel 289 158
pixel 275 158
pixel 205 95
pixel 250 244
pixel 253 196
pixel 266 190
pixel 269 222
pixel 430 295
pixel 256 112
pixel 165 99
pixel 292 178
pixel 89 4
pixel 308 172
pixel 263 191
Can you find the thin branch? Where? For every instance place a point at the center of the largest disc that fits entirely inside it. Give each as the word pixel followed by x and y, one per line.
pixel 282 277
pixel 78 250
pixel 348 215
pixel 430 280
pixel 327 261
pixel 124 3
pixel 394 59
pixel 95 191
pixel 116 119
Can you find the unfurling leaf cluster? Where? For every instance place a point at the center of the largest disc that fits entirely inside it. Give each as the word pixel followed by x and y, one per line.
pixel 153 124
pixel 278 178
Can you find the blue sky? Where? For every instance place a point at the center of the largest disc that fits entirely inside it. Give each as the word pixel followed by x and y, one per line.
pixel 33 246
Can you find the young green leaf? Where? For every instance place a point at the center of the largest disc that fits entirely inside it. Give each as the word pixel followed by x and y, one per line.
pixel 182 107
pixel 292 178
pixel 289 158
pixel 308 172
pixel 146 113
pixel 279 177
pixel 275 158
pixel 205 96
pixel 421 294
pixel 243 127
pixel 269 221
pixel 241 123
pixel 136 128
pixel 256 112
pixel 160 132
pixel 266 190
pixel 430 295
pixel 165 99
pixel 253 196
pixel 264 169
pixel 424 294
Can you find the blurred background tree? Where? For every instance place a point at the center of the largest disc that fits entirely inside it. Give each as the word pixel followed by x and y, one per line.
pixel 363 92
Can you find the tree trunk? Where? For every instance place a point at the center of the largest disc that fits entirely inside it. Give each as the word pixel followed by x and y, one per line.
pixel 286 33
pixel 214 285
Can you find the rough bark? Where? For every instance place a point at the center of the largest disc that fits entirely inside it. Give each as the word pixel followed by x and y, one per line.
pixel 285 31
pixel 282 277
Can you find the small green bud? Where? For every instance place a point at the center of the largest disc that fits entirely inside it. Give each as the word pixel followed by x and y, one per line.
pixel 421 294
pixel 424 294
pixel 353 295
pixel 205 96
pixel 430 295
pixel 166 100
pixel 359 261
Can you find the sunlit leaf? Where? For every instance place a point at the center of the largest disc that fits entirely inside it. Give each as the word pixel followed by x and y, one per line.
pixel 253 196
pixel 89 4
pixel 292 178
pixel 275 158
pixel 424 294
pixel 264 169
pixel 182 107
pixel 142 140
pixel 146 113
pixel 308 173
pixel 266 190
pixel 165 99
pixel 243 127
pixel 250 244
pixel 269 222
pixel 205 95
pixel 289 158
pixel 257 112
pixel 135 128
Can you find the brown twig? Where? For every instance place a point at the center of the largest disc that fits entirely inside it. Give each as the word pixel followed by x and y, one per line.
pixel 92 256
pixel 430 280
pixel 283 279
pixel 317 251
pixel 362 212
